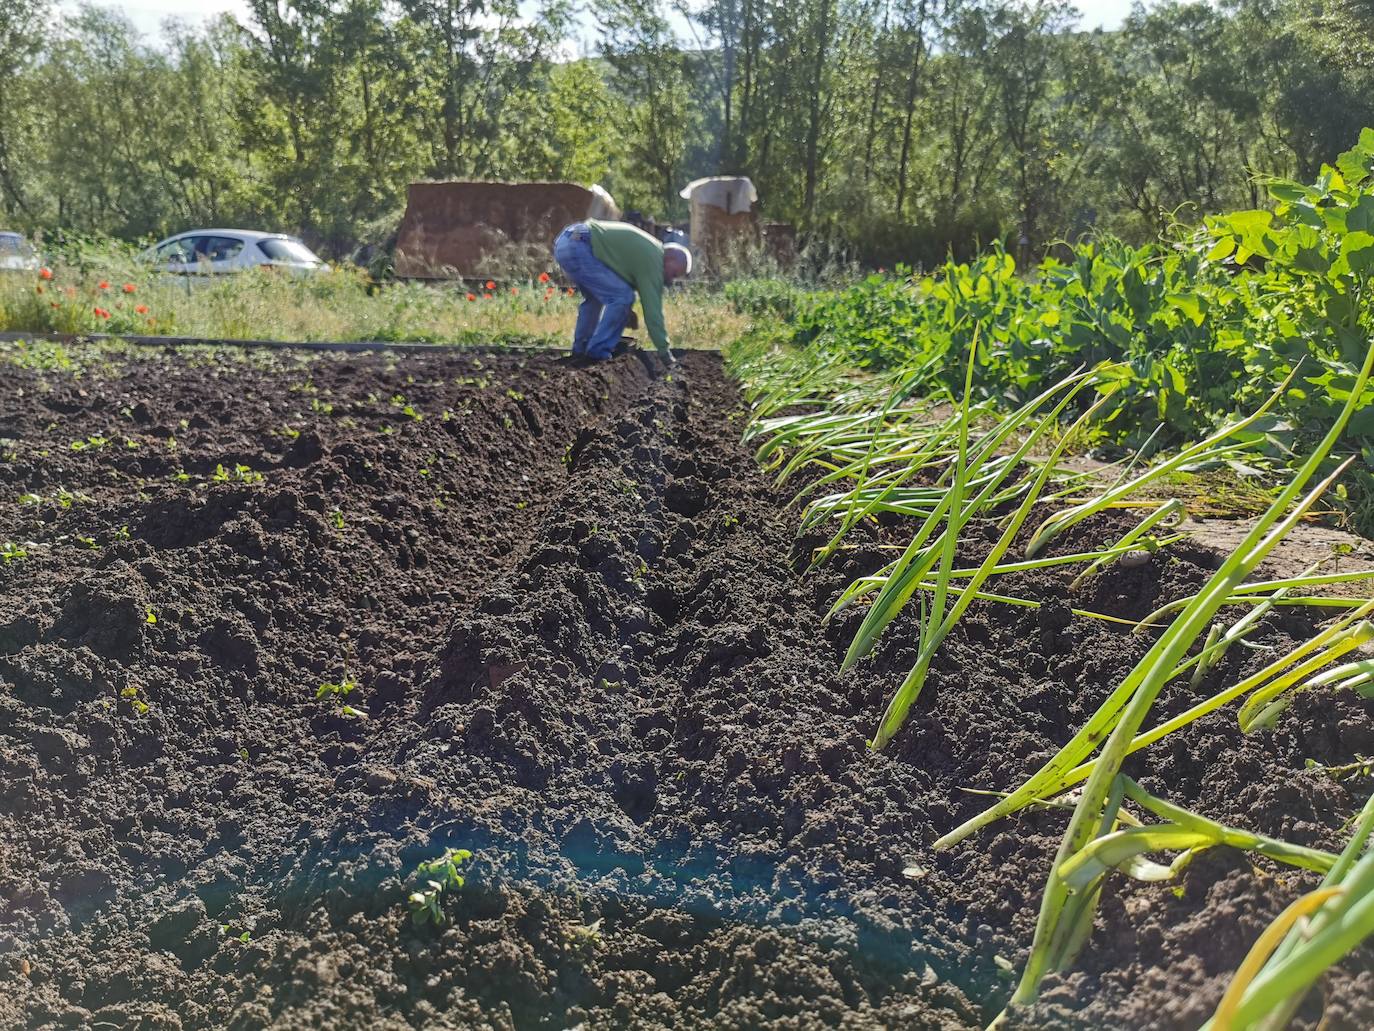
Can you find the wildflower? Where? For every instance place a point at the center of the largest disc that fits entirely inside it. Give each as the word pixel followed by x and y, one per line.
pixel 54 304
pixel 491 285
pixel 128 288
pixel 472 297
pixel 881 270
pixel 513 291
pixel 142 309
pixel 487 296
pixel 549 293
pixel 45 273
pixel 543 277
pixel 570 291
pixel 102 313
pixel 104 284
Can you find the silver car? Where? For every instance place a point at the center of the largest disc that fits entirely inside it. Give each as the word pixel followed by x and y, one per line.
pixel 216 251
pixel 16 253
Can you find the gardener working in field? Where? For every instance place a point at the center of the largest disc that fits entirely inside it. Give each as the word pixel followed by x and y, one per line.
pixel 610 262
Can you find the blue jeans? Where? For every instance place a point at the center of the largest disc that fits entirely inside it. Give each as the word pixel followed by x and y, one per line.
pixel 606 298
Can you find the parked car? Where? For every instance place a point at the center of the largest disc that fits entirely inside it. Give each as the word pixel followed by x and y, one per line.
pixel 16 253
pixel 216 251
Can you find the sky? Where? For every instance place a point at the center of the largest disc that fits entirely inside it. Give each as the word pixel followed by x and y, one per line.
pixel 148 15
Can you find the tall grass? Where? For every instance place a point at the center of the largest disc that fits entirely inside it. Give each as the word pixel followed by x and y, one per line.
pixel 344 304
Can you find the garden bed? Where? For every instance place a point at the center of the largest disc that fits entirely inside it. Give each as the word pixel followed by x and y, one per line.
pixel 572 608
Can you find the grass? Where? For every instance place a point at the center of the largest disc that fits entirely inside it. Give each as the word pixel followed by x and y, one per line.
pixel 120 297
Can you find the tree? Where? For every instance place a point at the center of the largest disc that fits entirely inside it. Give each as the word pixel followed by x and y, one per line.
pixel 23 33
pixel 650 75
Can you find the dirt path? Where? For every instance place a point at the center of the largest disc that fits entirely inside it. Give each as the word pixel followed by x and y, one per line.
pixel 586 655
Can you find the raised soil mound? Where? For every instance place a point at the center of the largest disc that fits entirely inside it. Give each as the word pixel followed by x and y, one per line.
pixel 573 610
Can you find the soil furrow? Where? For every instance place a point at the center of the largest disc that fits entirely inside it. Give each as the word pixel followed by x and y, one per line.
pixel 576 617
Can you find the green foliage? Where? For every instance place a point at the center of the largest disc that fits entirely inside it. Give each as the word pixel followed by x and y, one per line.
pixel 775 296
pixel 1270 304
pixel 435 877
pixel 342 689
pixel 901 131
pixel 1197 330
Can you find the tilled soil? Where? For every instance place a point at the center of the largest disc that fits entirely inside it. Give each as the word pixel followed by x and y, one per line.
pixel 584 651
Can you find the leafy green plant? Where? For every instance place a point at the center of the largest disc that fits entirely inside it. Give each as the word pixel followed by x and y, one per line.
pixel 436 877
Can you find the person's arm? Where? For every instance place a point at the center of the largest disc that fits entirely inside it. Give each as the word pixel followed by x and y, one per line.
pixel 651 300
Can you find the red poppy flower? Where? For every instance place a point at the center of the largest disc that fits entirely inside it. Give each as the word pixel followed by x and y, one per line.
pixel 102 313
pixel 491 285
pixel 142 309
pixel 45 273
pixel 104 284
pixel 543 277
pixel 472 297
pixel 128 288
pixel 487 296
pixel 549 293
pixel 513 291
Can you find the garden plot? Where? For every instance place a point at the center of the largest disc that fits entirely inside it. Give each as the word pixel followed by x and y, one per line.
pixel 278 635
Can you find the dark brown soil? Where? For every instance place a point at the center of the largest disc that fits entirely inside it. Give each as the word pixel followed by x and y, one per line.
pixel 586 654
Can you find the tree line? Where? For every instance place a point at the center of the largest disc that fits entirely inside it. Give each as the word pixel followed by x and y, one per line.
pixel 901 129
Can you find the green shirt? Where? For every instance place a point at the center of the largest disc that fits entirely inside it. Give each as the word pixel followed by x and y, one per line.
pixel 637 258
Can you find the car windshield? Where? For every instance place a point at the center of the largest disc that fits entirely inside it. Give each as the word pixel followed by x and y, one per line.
pixel 280 249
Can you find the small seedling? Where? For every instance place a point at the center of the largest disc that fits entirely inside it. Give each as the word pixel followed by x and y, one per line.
pixel 130 695
pixel 338 519
pixel 12 552
pixel 437 876
pixel 150 617
pixel 340 690
pixel 585 937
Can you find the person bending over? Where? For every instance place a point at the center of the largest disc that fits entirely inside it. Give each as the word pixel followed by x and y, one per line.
pixel 610 262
